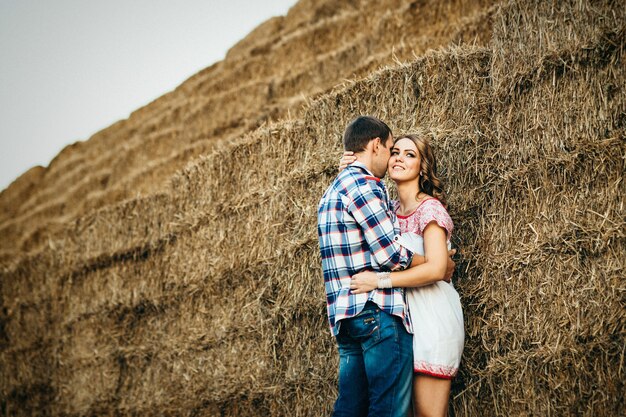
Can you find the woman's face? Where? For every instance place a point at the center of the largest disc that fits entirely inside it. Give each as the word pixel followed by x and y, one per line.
pixel 404 164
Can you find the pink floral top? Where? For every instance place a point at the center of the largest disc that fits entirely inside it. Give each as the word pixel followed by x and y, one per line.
pixel 430 210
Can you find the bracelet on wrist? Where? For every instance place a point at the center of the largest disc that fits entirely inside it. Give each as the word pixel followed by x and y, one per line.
pixel 384 279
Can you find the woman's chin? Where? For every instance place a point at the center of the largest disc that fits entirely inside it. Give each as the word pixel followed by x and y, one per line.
pixel 398 177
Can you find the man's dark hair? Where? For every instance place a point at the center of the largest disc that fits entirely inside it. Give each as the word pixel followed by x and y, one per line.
pixel 363 129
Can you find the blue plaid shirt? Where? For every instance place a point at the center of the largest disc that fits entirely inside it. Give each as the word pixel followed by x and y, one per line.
pixel 357 231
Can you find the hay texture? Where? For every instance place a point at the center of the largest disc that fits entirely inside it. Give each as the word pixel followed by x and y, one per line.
pixel 266 76
pixel 208 299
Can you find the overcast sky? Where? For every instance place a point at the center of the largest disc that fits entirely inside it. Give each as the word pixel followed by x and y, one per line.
pixel 69 68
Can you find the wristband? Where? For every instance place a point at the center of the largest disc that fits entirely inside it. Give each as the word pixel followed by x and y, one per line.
pixel 384 279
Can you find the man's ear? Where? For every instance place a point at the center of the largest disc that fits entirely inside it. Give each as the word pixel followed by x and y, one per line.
pixel 376 143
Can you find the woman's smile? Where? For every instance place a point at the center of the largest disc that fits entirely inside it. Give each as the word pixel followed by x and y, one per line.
pixel 404 163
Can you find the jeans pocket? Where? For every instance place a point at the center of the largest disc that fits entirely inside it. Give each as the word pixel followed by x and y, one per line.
pixel 387 329
pixel 365 326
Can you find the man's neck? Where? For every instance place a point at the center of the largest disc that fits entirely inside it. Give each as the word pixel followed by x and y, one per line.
pixel 365 160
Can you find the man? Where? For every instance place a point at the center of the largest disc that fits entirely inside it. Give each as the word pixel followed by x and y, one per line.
pixel 358 231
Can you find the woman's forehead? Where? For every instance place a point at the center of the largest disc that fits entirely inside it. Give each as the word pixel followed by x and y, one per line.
pixel 405 144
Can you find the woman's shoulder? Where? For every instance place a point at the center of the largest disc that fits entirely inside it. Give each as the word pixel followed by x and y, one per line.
pixel 433 204
pixel 432 210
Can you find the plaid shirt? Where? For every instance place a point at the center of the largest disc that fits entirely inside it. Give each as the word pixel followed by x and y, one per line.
pixel 358 231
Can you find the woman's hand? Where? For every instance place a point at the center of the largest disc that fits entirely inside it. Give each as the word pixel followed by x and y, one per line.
pixel 450 266
pixel 363 282
pixel 347 158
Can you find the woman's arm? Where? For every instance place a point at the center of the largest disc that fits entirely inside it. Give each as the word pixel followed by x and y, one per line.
pixel 434 269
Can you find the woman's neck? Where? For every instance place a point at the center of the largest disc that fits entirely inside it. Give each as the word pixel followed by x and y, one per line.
pixel 407 192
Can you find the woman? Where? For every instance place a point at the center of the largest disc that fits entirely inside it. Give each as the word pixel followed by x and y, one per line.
pixel 434 305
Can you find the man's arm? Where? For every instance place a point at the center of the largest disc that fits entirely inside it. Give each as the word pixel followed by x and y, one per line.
pixel 436 267
pixel 369 210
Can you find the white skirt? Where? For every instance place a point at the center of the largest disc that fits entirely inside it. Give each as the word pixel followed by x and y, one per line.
pixel 437 316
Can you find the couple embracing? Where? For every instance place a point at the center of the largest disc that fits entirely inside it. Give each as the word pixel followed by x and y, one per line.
pixel 395 315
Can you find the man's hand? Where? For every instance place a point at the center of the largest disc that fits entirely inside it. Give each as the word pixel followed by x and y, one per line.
pixel 347 158
pixel 363 282
pixel 450 266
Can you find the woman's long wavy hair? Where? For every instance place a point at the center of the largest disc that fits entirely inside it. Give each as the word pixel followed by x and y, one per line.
pixel 428 181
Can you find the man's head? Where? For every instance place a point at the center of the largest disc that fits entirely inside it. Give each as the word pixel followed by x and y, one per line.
pixel 370 139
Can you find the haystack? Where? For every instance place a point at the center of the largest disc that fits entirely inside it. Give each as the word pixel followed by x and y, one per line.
pixel 207 298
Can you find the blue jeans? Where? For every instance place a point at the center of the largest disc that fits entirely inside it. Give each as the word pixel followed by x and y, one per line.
pixel 375 365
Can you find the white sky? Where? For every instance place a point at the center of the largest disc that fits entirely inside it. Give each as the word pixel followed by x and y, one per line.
pixel 69 68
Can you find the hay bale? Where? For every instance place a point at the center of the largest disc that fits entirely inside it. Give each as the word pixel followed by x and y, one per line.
pixel 268 76
pixel 207 299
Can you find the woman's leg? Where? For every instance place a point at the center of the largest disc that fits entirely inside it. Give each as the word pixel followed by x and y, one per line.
pixel 430 396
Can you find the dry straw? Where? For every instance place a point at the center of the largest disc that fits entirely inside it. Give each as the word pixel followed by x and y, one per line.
pixel 207 299
pixel 266 76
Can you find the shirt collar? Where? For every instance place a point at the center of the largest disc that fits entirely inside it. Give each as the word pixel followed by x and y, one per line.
pixel 362 166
